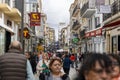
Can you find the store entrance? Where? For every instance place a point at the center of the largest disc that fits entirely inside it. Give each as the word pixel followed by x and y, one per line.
pixel 7 40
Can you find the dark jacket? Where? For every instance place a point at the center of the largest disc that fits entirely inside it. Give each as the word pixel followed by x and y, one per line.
pixel 66 62
pixel 13 66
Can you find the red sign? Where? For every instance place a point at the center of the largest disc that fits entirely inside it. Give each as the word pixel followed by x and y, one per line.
pixel 94 33
pixel 35 19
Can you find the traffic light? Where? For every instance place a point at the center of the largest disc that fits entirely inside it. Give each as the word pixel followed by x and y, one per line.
pixel 26 33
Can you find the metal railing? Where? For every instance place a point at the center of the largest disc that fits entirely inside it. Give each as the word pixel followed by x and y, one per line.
pixel 75 9
pixel 84 8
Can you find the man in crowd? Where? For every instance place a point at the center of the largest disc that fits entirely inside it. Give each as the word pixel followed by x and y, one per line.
pixel 14 65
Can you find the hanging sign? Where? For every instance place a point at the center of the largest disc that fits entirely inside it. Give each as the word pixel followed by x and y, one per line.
pixel 35 19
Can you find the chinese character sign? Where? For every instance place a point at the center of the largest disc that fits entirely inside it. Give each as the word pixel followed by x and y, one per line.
pixel 35 19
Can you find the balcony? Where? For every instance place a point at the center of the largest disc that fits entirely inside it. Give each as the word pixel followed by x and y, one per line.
pixel 4 7
pixel 76 25
pixel 115 10
pixel 87 11
pixel 76 10
pixel 13 13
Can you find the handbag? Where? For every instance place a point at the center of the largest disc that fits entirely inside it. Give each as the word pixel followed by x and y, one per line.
pixel 44 72
pixel 64 77
pixel 42 76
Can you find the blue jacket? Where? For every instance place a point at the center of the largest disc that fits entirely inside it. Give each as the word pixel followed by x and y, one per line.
pixel 66 62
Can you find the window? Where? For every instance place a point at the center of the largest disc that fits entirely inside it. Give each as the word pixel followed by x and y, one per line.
pixel 97 22
pixel 9 23
pixel 8 2
pixel 90 24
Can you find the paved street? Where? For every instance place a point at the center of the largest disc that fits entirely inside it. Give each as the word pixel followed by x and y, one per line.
pixel 72 74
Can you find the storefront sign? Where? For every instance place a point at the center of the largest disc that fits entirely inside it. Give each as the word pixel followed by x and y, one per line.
pixel 35 19
pixel 94 33
pixel 105 9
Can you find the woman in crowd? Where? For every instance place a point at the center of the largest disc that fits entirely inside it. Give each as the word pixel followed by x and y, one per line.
pixel 55 70
pixel 115 75
pixel 43 67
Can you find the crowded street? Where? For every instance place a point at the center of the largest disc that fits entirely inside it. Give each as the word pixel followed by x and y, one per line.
pixel 59 39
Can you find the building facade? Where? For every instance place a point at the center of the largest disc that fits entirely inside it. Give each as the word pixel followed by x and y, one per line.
pixel 10 18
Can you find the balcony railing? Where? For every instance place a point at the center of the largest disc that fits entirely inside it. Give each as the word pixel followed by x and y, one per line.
pixel 75 9
pixel 115 8
pixel 87 10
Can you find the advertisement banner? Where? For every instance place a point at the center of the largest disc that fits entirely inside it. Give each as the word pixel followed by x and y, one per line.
pixel 35 19
pixel 105 9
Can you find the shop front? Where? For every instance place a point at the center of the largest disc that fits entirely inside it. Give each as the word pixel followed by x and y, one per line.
pixel 112 36
pixel 94 40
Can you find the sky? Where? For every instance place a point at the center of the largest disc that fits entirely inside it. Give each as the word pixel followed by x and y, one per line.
pixel 57 11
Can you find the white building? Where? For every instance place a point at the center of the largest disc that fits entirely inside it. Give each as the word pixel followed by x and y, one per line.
pixel 10 18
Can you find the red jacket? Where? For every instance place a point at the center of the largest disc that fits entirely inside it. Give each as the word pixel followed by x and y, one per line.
pixel 72 58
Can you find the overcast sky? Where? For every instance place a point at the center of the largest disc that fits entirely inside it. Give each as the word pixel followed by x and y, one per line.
pixel 57 11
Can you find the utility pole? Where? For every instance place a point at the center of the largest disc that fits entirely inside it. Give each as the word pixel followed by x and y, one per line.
pixel 22 25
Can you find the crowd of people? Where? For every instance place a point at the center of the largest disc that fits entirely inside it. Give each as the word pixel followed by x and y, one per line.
pixel 48 66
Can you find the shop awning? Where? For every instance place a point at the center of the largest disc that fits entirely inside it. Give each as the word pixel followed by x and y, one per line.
pixel 96 32
pixel 112 24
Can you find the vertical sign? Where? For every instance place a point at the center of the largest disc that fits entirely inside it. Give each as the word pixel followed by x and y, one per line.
pixel 35 19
